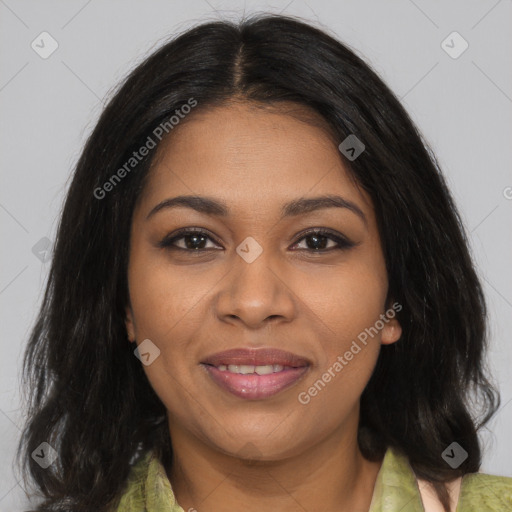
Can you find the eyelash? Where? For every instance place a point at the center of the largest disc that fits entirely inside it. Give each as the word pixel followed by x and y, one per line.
pixel 343 242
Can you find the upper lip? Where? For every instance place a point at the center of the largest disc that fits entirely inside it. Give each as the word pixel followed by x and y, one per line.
pixel 256 357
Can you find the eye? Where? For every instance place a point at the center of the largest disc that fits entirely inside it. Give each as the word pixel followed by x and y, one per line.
pixel 319 240
pixel 194 240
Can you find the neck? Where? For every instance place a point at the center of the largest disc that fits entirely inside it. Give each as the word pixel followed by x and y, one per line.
pixel 331 475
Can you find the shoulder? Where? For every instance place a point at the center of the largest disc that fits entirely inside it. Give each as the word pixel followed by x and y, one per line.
pixel 482 492
pixel 476 492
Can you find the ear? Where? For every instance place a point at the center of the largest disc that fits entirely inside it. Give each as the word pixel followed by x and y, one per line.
pixel 391 331
pixel 130 324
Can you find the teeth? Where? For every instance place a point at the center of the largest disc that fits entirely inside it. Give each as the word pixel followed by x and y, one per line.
pixel 246 369
pixel 264 370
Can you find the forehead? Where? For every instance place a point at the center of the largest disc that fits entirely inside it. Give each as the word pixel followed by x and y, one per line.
pixel 252 157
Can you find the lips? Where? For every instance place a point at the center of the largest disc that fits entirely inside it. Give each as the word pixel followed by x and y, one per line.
pixel 256 357
pixel 255 374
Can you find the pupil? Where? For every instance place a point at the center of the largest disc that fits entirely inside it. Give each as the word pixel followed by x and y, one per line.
pixel 316 238
pixel 192 240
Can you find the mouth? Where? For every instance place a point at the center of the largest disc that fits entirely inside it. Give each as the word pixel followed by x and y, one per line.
pixel 255 374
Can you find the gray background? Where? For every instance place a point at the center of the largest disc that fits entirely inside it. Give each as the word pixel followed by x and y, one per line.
pixel 462 105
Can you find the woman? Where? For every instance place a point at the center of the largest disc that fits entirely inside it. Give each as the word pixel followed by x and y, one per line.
pixel 261 296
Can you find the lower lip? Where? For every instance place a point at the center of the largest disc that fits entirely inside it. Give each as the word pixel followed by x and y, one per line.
pixel 254 386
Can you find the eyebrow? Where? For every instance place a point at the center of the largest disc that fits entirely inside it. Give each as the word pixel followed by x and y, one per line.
pixel 301 206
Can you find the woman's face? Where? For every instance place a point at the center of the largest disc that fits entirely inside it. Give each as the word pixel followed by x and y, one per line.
pixel 261 282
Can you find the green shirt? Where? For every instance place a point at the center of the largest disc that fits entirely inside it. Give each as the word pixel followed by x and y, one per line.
pixel 396 490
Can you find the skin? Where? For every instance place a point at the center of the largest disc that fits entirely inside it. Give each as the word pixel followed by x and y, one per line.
pixel 274 453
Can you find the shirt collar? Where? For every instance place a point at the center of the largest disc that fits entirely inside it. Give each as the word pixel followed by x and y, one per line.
pixel 159 495
pixel 396 487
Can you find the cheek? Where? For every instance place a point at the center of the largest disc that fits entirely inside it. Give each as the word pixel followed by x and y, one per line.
pixel 347 300
pixel 347 303
pixel 347 353
pixel 162 297
pixel 165 305
pixel 162 302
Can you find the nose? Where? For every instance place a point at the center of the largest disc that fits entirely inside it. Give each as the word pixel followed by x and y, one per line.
pixel 256 293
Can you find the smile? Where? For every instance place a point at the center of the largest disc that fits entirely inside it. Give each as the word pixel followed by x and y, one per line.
pixel 255 382
pixel 255 374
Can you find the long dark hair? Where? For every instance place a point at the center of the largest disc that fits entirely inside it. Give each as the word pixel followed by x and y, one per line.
pixel 88 395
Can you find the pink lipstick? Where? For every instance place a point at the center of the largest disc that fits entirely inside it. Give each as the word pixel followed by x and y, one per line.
pixel 255 374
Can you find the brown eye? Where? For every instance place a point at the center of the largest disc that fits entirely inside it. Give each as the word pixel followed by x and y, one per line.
pixel 318 241
pixel 193 240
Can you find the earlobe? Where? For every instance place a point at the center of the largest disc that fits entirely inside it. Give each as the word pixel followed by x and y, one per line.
pixel 391 332
pixel 130 326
